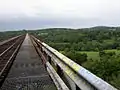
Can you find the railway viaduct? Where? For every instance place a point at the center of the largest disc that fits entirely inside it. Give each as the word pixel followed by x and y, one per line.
pixel 26 63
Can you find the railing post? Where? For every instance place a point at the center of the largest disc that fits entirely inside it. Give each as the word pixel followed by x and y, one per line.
pixel 49 59
pixel 59 71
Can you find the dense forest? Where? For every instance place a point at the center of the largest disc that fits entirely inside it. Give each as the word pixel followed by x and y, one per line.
pixel 97 48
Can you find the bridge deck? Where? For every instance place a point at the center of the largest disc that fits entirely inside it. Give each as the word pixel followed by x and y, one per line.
pixel 27 71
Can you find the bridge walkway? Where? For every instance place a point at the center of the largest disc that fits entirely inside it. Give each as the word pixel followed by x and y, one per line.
pixel 27 71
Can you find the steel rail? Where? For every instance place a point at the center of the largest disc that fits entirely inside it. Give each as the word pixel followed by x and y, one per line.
pixel 9 59
pixel 10 47
pixel 15 47
pixel 7 49
pixel 3 42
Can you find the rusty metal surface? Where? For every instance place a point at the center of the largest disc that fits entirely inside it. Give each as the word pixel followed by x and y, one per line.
pixel 28 72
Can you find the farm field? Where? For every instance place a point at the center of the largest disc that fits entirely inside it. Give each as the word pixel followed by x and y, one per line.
pixel 95 55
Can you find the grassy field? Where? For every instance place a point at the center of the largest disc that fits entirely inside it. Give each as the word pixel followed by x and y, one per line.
pixel 95 55
pixel 113 50
pixel 91 54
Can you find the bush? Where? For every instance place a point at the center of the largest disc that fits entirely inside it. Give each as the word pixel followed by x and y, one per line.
pixel 77 57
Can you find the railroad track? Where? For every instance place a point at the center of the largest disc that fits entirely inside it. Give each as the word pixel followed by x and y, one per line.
pixel 8 51
pixel 27 71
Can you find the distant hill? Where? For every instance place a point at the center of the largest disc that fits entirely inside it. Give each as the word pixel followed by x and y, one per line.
pixel 91 28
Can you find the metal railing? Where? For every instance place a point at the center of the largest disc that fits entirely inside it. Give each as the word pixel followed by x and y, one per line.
pixel 77 77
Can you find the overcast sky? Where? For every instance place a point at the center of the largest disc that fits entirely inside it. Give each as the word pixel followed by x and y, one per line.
pixel 34 14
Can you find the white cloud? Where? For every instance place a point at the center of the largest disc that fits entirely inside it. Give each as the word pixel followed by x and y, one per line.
pixel 108 11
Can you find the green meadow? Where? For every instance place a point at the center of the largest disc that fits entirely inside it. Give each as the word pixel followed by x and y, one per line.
pixel 95 55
